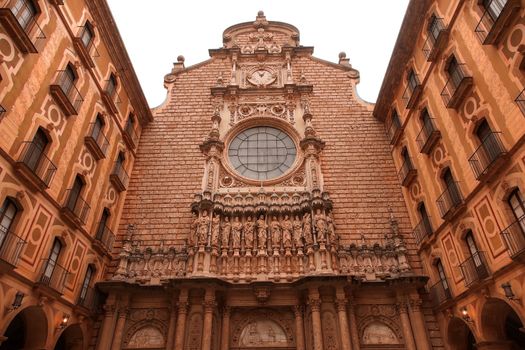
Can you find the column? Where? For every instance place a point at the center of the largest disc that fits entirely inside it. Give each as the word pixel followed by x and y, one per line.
pixel 299 326
pixel 209 306
pixel 343 324
pixel 106 333
pixel 353 325
pixel 119 330
pixel 225 333
pixel 314 301
pixel 405 324
pixel 418 324
pixel 182 311
pixel 171 329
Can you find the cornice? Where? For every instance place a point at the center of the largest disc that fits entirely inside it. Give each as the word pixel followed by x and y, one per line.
pixel 117 50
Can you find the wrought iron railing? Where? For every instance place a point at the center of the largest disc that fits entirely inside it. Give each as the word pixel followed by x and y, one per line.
pixel 99 137
pixel 514 237
pixel 486 154
pixel 120 173
pixel 26 18
pixel 411 91
pixel 88 299
pixel 76 206
pixel 474 268
pixel 10 246
pixel 428 131
pixel 436 29
pixel 455 79
pixel 393 129
pixel 440 292
pixel 493 18
pixel 69 89
pixel 406 172
pixel 422 230
pixel 105 236
pixel 520 101
pixel 131 134
pixel 449 199
pixel 53 275
pixel 34 159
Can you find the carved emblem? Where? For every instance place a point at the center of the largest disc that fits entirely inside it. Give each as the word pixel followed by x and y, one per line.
pixel 261 77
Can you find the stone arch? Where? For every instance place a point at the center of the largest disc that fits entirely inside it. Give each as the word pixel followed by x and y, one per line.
pixel 29 328
pixel 71 338
pixel 378 328
pixel 500 322
pixel 144 329
pixel 263 315
pixel 459 335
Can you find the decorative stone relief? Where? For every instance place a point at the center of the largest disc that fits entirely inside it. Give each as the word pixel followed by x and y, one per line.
pixel 147 337
pixel 263 333
pixel 379 333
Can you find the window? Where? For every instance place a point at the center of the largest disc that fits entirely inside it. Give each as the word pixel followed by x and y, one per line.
pixel 452 188
pixel 86 283
pixel 36 151
pixel 262 153
pixel 395 119
pixel 425 219
pixel 442 277
pixel 412 80
pixel 74 193
pixel 102 224
pixel 87 35
pixel 517 206
pixel 473 249
pixel 98 125
pixel 52 261
pixel 7 216
pixel 24 11
pixel 434 28
pixel 130 124
pixel 454 72
pixel 494 7
pixel 120 160
pixel 68 79
pixel 111 87
pixel 489 141
pixel 406 159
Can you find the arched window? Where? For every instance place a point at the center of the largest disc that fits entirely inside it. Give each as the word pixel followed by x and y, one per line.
pixel 98 125
pixel 494 7
pixel 87 34
pixel 517 205
pixel 425 219
pixel 454 72
pixel 7 216
pixel 435 26
pixel 102 225
pixel 412 80
pixel 451 186
pixel 52 262
pixel 130 124
pixel 442 278
pixel 475 254
pixel 36 150
pixel 74 194
pixel 111 86
pixel 83 296
pixel 25 11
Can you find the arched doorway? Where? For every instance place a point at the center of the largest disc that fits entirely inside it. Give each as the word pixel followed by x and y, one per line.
pixel 28 330
pixel 460 337
pixel 500 323
pixel 71 339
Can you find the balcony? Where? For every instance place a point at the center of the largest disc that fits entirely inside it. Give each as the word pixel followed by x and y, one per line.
pixel 458 84
pixel 428 136
pixel 407 173
pixel 394 131
pixel 493 22
pixel 450 202
pixel 52 278
pixel 88 300
pixel 422 230
pixel 110 99
pixel 10 248
pixel 104 239
pixel 440 293
pixel 23 29
pixel 520 101
pixel 130 136
pixel 35 167
pixel 2 112
pixel 488 157
pixel 96 141
pixel 411 94
pixel 75 211
pixel 66 94
pixel 474 269
pixel 86 52
pixel 514 238
pixel 435 43
pixel 119 177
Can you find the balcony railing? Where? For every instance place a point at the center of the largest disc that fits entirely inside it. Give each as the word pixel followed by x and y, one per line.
pixel 428 136
pixel 35 166
pixel 407 173
pixel 494 20
pixel 2 112
pixel 119 177
pixel 422 230
pixel 437 36
pixel 66 94
pixel 75 208
pixel 52 275
pixel 96 141
pixel 514 238
pixel 10 247
pixel 411 93
pixel 89 299
pixel 86 52
pixel 104 237
pixel 130 136
pixel 474 269
pixel 450 200
pixel 520 101
pixel 111 98
pixel 394 130
pixel 440 292
pixel 23 29
pixel 458 83
pixel 485 158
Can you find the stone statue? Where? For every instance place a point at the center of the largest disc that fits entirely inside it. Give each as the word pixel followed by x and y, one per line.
pixel 275 229
pixel 287 228
pixel 331 229
pixel 204 223
pixel 236 233
pixel 193 229
pixel 215 230
pixel 297 232
pixel 307 228
pixel 320 226
pixel 226 229
pixel 262 236
pixel 249 232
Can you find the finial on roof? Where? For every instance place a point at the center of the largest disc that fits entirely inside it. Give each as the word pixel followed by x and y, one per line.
pixel 180 58
pixel 343 60
pixel 260 20
pixel 260 13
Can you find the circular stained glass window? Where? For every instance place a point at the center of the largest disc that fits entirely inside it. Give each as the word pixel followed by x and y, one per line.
pixel 262 153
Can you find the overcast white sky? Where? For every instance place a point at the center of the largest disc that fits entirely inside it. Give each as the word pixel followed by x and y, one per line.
pixel 157 31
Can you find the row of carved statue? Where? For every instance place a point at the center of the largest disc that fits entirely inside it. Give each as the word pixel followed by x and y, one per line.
pixel 262 232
